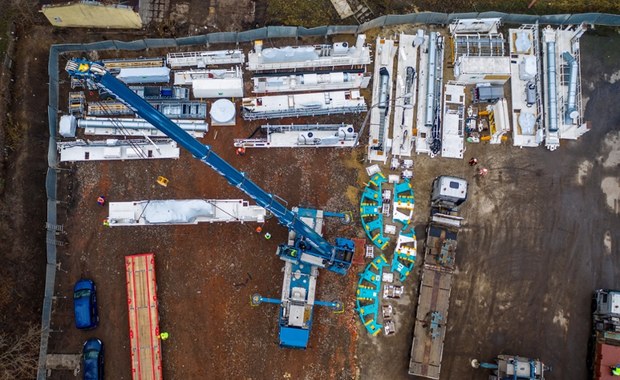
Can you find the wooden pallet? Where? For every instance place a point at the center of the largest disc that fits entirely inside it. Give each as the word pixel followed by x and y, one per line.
pixel 143 317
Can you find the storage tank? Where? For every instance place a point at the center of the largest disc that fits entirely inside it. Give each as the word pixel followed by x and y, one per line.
pixel 218 88
pixel 530 93
pixel 341 48
pixel 223 112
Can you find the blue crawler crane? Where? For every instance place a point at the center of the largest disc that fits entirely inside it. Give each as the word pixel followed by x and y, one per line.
pixel 307 252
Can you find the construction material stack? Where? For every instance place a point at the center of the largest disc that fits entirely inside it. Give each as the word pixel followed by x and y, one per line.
pixel 436 281
pixel 143 317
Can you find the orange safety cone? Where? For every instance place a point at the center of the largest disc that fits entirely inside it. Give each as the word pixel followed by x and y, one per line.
pixel 259 229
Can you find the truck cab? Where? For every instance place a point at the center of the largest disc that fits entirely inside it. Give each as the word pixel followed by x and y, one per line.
pixel 606 310
pixel 448 193
pixel 607 302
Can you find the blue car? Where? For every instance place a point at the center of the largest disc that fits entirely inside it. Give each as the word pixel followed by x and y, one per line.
pixel 92 359
pixel 85 304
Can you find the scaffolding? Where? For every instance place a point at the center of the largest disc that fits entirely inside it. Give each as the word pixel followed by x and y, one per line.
pixel 76 103
pixel 176 109
pixel 117 64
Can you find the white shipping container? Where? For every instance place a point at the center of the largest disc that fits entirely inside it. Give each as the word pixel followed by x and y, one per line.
pixel 133 75
pixel 218 88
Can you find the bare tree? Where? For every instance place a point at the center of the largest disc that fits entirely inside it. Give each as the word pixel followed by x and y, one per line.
pixel 19 354
pixel 25 10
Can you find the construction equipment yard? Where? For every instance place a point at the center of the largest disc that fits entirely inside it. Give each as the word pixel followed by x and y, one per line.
pixel 539 232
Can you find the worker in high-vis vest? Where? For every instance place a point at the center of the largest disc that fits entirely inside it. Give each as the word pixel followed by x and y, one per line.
pixel 615 370
pixel 164 336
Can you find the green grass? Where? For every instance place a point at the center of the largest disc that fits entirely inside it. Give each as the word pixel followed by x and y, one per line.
pixel 301 13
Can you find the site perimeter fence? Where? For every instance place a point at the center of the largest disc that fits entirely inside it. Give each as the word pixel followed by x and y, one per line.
pixel 428 18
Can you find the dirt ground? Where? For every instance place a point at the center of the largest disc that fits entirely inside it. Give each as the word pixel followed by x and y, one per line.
pixel 540 236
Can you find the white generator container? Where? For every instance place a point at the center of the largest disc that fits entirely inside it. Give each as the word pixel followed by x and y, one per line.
pixel 217 88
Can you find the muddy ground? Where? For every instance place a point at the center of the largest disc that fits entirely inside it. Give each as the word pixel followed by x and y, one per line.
pixel 540 237
pixel 541 234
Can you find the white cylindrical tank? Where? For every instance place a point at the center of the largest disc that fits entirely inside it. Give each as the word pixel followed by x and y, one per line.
pixel 338 77
pixel 310 79
pixel 346 132
pixel 223 112
pixel 341 48
pixel 218 88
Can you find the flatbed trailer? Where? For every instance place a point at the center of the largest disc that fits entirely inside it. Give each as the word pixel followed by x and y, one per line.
pixel 143 314
pixel 432 312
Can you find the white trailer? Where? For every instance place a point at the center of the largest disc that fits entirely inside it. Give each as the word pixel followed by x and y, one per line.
pixel 114 149
pixel 378 142
pixel 300 136
pixel 312 104
pixel 338 80
pixel 106 126
pixel 404 101
pixel 453 128
pixel 526 86
pixel 563 99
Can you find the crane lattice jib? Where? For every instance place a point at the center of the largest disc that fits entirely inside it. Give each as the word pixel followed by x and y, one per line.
pixel 96 71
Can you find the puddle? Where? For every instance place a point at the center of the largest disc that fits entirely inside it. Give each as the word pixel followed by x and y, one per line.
pixel 611 188
pixel 583 171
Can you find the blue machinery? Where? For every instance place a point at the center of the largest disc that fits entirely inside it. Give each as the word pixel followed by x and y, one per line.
pixel 511 367
pixel 304 254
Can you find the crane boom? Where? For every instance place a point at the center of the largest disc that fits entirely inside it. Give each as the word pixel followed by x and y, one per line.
pixel 313 247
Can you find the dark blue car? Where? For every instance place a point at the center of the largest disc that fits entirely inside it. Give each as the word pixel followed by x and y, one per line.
pixel 92 359
pixel 85 304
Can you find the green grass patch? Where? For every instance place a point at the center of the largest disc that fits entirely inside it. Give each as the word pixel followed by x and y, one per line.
pixel 301 13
